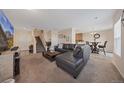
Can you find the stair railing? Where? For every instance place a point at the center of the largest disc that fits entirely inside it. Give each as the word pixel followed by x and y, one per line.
pixel 43 40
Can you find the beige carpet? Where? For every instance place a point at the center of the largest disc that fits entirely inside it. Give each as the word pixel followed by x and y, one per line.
pixel 37 69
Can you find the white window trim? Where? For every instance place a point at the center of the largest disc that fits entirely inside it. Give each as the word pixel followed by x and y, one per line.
pixel 117 37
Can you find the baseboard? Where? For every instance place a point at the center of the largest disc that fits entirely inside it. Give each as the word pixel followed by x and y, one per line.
pixel 118 69
pixel 109 51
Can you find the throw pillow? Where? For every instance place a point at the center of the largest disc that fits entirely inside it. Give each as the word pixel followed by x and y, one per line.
pixel 78 52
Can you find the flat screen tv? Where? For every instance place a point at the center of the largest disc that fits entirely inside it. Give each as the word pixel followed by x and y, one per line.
pixel 6 32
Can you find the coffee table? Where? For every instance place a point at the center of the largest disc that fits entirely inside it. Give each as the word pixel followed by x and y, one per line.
pixel 50 55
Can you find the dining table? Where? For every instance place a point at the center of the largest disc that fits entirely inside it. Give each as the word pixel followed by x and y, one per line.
pixel 94 47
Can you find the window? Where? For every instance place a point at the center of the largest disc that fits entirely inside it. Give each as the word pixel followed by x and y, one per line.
pixel 117 37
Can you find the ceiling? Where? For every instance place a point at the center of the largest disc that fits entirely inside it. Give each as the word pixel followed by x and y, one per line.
pixel 58 19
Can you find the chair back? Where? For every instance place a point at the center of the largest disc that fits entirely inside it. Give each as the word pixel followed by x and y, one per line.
pixel 105 43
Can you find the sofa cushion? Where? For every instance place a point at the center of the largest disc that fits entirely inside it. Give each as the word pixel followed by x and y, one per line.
pixel 68 59
pixel 60 50
pixel 78 52
pixel 65 46
pixel 60 46
pixel 71 46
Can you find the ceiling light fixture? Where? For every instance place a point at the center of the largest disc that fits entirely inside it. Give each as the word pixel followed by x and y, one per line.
pixel 96 17
pixel 29 9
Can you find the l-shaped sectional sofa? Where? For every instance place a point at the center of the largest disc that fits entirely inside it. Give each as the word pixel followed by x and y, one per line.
pixel 71 63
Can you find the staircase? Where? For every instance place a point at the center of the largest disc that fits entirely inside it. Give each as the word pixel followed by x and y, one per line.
pixel 39 45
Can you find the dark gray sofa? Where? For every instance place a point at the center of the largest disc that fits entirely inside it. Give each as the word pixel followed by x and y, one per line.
pixel 71 64
pixel 65 48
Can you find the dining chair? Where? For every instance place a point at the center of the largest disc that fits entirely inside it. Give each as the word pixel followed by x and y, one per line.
pixel 103 47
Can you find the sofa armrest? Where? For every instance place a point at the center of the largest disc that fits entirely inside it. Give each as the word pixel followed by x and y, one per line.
pixel 86 52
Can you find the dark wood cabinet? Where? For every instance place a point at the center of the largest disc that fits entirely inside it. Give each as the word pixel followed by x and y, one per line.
pixel 79 37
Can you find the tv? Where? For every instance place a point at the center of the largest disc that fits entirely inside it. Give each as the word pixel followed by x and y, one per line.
pixel 3 40
pixel 6 32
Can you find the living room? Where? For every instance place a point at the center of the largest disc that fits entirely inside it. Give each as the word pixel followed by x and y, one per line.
pixel 51 40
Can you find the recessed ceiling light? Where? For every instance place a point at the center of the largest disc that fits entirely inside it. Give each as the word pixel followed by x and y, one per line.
pixel 96 17
pixel 29 9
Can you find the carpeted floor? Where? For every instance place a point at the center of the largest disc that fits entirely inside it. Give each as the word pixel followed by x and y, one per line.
pixel 37 69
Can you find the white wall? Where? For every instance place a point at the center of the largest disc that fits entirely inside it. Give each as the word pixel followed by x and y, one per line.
pixel 73 35
pixel 23 38
pixel 47 35
pixel 6 67
pixel 119 61
pixel 35 33
pixel 54 38
pixel 106 35
pixel 69 33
